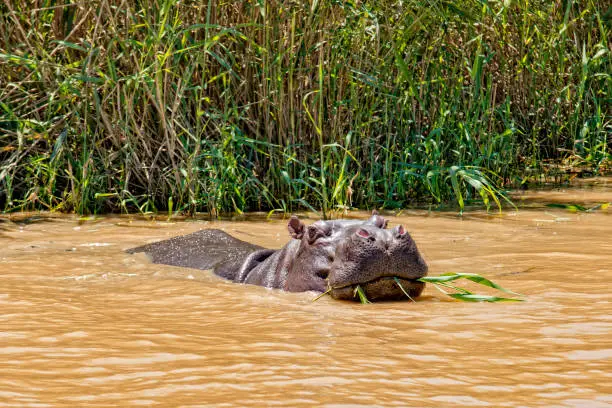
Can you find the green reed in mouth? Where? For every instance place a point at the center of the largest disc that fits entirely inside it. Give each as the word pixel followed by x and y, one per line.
pixel 443 284
pixel 161 105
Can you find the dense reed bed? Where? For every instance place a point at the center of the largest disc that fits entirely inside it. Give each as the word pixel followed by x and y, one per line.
pixel 150 105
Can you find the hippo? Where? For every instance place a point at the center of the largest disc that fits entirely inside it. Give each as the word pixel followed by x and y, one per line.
pixel 326 256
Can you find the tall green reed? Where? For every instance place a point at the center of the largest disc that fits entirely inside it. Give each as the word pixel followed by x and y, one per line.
pixel 281 105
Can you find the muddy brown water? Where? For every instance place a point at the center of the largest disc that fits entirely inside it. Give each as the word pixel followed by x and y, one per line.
pixel 84 324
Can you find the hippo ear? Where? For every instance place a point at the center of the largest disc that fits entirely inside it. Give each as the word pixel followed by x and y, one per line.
pixel 296 227
pixel 316 231
pixel 378 220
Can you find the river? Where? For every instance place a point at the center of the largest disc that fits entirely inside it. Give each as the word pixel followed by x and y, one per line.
pixel 82 323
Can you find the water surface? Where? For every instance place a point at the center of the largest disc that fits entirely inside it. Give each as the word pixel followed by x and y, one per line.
pixel 84 324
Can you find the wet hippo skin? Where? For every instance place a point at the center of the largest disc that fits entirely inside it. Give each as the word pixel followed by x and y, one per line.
pixel 326 255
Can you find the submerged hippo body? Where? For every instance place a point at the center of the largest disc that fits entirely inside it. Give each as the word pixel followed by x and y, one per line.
pixel 327 255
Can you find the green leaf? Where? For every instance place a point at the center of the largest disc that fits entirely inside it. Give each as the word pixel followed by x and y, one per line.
pixel 362 296
pixel 70 45
pixel 402 288
pixel 456 187
pixel 437 279
pixel 59 144
pixel 484 281
pixel 451 276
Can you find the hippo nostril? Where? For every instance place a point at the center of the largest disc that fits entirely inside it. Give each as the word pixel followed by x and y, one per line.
pixel 363 233
pixel 323 273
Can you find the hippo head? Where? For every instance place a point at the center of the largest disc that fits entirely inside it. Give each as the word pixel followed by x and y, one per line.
pixel 378 260
pixel 340 255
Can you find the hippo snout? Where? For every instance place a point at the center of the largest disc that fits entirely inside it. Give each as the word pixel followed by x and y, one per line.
pixel 379 261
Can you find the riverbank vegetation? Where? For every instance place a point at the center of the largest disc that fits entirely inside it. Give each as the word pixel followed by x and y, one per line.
pixel 228 106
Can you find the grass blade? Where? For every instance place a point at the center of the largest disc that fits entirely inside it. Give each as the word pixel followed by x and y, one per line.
pixel 451 276
pixel 402 288
pixel 362 296
pixel 322 294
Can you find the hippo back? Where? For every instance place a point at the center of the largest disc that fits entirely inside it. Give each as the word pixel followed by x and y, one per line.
pixel 203 249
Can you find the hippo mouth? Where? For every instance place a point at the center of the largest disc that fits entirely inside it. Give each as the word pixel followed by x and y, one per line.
pixel 381 289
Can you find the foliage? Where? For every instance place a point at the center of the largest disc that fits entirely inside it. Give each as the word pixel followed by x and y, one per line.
pixel 153 105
